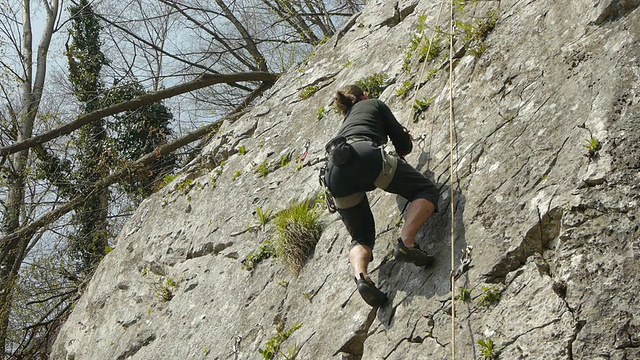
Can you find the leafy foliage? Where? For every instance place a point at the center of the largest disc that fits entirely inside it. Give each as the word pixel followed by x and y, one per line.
pixel 474 34
pixel 265 251
pixel 464 295
pixel 263 216
pixel 421 105
pixel 309 91
pixel 263 169
pixel 139 132
pixel 85 59
pixel 406 86
pixel 272 348
pixel 373 85
pixel 593 147
pixel 489 296
pixel 488 350
pixel 420 44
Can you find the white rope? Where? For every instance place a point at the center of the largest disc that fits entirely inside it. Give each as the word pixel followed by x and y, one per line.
pixel 451 161
pixel 451 174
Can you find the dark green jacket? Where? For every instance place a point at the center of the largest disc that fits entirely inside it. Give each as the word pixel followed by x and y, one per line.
pixel 373 118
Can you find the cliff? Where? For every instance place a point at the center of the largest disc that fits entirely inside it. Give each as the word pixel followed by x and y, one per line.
pixel 546 153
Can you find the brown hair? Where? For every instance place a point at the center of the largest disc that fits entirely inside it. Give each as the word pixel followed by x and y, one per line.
pixel 346 97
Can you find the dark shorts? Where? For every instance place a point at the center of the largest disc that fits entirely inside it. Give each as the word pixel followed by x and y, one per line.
pixel 358 176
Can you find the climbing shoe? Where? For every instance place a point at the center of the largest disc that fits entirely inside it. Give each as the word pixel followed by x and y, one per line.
pixel 370 293
pixel 413 255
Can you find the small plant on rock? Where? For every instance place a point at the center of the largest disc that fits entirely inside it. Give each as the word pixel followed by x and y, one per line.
pixel 420 45
pixel 489 297
pixel 488 351
pixel 167 179
pixel 464 295
pixel 263 216
pixel 309 91
pixel 373 85
pixel 421 105
pixel 284 160
pixel 185 185
pixel 404 89
pixel 236 174
pixel 265 251
pixel 321 113
pixel 165 290
pixel 263 169
pixel 473 35
pixel 272 348
pixel 593 147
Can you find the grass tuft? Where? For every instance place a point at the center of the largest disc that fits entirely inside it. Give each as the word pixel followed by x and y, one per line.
pixel 297 231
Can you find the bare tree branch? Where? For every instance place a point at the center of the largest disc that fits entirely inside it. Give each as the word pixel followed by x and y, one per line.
pixel 29 230
pixel 199 83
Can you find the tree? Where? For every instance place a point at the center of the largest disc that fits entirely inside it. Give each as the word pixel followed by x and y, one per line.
pixel 22 118
pixel 136 133
pixel 191 36
pixel 90 240
pixel 252 44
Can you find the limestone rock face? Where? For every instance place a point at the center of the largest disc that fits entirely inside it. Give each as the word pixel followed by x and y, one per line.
pixel 552 219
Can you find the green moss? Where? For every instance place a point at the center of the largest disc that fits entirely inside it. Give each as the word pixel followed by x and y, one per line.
pixel 168 178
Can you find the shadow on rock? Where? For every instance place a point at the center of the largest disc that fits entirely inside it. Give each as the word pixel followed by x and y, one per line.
pixel 435 238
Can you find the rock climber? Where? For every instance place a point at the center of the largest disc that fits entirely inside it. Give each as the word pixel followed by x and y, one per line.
pixel 357 164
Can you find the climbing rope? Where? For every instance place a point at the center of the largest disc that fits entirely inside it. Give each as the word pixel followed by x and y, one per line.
pixel 452 180
pixel 467 259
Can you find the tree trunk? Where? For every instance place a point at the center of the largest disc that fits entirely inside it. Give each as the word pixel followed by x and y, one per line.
pixel 12 252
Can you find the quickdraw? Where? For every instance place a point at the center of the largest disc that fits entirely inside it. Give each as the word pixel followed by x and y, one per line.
pixel 328 197
pixel 465 262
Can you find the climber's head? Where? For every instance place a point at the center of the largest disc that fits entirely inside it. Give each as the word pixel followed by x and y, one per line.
pixel 347 96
